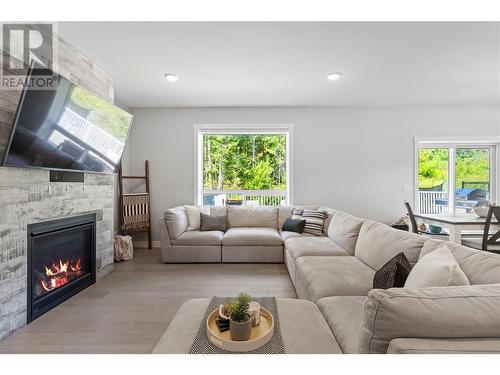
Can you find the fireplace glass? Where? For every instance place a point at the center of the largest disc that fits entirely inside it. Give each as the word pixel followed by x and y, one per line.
pixel 61 261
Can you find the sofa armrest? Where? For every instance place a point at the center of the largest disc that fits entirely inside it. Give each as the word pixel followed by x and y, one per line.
pixel 164 235
pixel 459 312
pixel 444 346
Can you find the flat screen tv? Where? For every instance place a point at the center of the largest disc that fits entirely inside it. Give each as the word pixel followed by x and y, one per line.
pixel 67 128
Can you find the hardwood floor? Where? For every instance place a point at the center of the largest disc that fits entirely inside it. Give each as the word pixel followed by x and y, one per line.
pixel 128 311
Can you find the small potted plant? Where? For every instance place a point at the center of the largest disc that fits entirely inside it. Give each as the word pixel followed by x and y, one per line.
pixel 240 322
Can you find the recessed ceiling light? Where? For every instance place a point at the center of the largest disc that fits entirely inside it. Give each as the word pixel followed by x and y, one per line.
pixel 171 77
pixel 333 76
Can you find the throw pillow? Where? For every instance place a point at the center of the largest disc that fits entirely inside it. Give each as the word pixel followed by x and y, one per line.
pixel 208 222
pixel 438 268
pixel 193 215
pixel 393 274
pixel 314 220
pixel 294 225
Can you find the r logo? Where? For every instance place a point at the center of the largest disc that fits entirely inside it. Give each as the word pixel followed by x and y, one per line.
pixel 24 43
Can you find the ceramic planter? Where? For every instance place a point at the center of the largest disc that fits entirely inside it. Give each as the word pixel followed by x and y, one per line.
pixel 240 331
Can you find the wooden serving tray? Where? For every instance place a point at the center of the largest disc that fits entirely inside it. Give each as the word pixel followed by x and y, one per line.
pixel 260 335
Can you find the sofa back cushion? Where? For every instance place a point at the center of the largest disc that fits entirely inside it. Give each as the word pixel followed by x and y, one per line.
pixel 344 230
pixel 377 243
pixel 248 216
pixel 177 221
pixel 218 210
pixel 480 267
pixel 284 212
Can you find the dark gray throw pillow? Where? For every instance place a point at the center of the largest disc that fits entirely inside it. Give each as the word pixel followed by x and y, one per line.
pixel 208 222
pixel 294 225
pixel 393 274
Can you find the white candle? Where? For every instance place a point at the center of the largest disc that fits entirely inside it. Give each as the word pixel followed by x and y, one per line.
pixel 254 311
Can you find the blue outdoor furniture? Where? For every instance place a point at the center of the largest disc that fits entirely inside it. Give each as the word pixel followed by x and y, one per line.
pixel 466 198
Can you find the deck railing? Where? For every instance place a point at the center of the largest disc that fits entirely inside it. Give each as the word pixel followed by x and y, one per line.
pixel 245 197
pixel 92 135
pixel 427 202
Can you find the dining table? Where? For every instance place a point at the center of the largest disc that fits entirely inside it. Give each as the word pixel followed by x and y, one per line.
pixel 456 224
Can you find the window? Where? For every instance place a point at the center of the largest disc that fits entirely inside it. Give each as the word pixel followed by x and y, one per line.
pixel 468 169
pixel 237 165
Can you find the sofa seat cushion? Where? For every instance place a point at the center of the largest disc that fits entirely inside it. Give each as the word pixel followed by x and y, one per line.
pixel 198 238
pixel 252 236
pixel 326 276
pixel 444 346
pixel 312 246
pixel 285 235
pixel 343 314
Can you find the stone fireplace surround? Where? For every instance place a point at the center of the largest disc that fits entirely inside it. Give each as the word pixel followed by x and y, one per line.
pixel 27 196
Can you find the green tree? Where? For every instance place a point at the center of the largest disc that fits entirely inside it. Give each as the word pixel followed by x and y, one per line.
pixel 109 117
pixel 244 162
pixel 471 165
pixel 432 167
pixel 260 176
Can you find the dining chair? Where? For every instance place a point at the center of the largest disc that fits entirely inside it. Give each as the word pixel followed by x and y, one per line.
pixel 414 226
pixel 488 242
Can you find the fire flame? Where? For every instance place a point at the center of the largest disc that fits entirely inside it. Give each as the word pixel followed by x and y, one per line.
pixel 59 274
pixel 77 266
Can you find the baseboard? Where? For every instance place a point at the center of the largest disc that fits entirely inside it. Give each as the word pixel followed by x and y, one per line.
pixel 139 244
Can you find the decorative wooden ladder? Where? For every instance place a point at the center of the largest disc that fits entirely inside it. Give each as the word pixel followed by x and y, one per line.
pixel 135 208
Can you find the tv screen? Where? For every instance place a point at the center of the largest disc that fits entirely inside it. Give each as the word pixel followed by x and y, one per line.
pixel 67 128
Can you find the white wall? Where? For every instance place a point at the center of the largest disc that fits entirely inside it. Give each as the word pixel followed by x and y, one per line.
pixel 126 167
pixel 354 159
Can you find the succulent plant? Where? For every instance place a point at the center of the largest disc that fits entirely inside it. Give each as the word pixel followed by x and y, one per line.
pixel 238 308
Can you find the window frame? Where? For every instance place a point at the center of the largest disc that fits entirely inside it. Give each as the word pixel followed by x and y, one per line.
pixel 493 143
pixel 226 129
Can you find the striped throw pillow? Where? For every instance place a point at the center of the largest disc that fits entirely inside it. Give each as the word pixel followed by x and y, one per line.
pixel 314 220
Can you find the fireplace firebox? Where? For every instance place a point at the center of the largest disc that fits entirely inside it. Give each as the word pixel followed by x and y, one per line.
pixel 61 261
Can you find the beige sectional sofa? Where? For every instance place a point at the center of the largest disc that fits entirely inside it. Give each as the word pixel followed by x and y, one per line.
pixel 335 272
pixel 253 236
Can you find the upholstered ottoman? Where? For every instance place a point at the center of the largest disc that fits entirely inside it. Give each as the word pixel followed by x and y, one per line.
pixel 303 328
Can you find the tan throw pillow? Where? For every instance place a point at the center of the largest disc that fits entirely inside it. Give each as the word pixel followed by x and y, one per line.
pixel 193 215
pixel 208 223
pixel 438 268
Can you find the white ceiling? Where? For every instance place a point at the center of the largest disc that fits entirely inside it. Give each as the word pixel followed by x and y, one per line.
pixel 286 63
